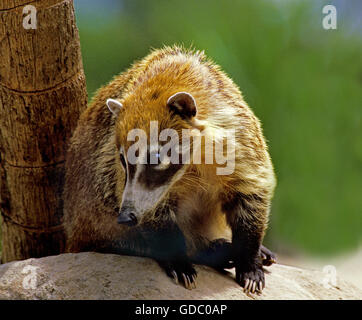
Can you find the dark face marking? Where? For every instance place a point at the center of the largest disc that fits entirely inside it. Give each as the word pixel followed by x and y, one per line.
pixel 150 177
pixel 131 170
pixel 147 183
pixel 123 161
pixel 124 165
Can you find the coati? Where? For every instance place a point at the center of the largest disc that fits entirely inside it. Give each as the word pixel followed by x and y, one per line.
pixel 176 213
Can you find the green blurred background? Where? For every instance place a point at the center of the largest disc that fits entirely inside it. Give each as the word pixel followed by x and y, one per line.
pixel 303 82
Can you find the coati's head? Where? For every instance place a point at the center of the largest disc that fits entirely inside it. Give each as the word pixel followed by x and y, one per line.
pixel 147 139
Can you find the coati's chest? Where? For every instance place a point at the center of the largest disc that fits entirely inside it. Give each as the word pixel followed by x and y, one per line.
pixel 200 213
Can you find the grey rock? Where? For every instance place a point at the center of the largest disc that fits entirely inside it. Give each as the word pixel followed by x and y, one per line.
pixel 92 275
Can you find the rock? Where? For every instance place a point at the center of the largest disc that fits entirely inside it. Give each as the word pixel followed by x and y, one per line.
pixel 91 275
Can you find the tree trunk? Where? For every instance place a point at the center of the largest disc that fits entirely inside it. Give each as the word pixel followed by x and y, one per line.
pixel 42 93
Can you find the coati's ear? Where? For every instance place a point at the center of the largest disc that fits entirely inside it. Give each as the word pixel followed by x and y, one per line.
pixel 183 104
pixel 114 106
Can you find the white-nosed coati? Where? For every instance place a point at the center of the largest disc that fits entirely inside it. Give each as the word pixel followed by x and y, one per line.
pixel 176 213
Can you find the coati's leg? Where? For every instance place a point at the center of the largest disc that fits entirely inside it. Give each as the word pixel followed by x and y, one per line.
pixel 94 228
pixel 267 256
pixel 169 250
pixel 219 255
pixel 216 254
pixel 247 217
pixel 159 240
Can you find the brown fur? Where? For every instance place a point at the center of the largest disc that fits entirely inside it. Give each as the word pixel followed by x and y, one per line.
pixel 208 206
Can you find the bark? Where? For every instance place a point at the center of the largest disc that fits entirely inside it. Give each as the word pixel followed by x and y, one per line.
pixel 42 93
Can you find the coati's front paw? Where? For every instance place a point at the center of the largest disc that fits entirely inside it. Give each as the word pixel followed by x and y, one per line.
pixel 252 280
pixel 181 271
pixel 267 257
pixel 219 254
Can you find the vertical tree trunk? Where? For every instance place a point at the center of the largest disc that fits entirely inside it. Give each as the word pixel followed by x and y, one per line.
pixel 42 92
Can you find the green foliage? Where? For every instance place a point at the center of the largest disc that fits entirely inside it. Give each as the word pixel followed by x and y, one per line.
pixel 302 81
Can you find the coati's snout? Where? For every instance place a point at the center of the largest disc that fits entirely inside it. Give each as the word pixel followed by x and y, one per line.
pixel 127 215
pixel 144 190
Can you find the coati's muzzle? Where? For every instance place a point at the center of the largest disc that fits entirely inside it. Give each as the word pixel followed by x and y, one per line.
pixel 127 215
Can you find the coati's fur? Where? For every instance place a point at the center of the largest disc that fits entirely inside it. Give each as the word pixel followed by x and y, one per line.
pixel 219 220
